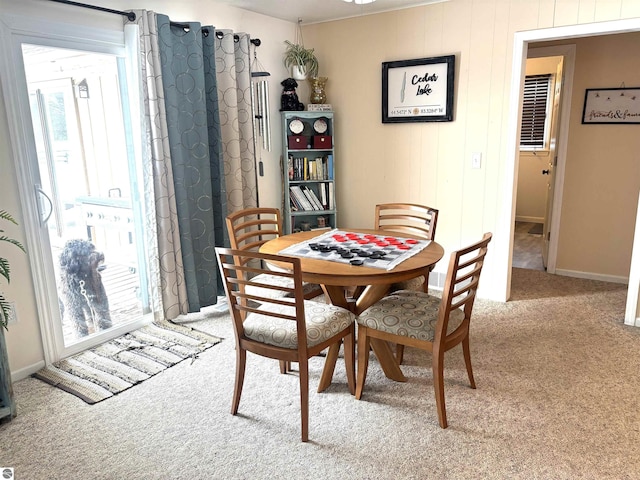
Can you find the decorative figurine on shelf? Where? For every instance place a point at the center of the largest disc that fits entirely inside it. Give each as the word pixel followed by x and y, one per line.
pixel 289 99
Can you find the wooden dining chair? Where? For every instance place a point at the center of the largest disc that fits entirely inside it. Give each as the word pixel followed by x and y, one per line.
pixel 410 218
pixel 287 328
pixel 426 322
pixel 419 220
pixel 248 230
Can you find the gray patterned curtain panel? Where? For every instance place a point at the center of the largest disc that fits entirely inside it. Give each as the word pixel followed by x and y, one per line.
pixel 201 154
pixel 233 72
pixel 189 94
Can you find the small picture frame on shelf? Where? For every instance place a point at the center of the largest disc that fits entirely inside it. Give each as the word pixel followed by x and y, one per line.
pixel 319 107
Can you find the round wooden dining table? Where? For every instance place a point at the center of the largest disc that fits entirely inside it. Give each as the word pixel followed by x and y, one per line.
pixel 370 283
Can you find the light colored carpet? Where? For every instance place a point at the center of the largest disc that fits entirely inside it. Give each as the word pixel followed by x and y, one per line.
pixel 557 399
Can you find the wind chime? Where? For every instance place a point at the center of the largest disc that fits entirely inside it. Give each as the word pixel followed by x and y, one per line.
pixel 260 99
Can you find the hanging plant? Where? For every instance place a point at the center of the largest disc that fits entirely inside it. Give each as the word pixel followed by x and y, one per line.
pixel 301 61
pixel 297 56
pixel 5 271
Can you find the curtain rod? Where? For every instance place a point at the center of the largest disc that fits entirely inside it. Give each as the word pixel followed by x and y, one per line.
pixel 130 15
pixel 254 41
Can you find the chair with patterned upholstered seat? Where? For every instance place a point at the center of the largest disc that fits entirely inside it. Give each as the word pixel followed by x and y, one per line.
pixel 248 230
pixel 434 324
pixel 419 220
pixel 283 327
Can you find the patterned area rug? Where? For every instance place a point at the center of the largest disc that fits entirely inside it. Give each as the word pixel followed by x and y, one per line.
pixel 104 371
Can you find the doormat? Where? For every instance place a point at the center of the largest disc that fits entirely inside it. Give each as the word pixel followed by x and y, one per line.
pixel 536 229
pixel 113 367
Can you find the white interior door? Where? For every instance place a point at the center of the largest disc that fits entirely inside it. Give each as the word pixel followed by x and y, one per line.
pixel 550 171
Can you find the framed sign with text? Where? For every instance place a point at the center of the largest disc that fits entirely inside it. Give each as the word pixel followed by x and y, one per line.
pixel 419 90
pixel 611 105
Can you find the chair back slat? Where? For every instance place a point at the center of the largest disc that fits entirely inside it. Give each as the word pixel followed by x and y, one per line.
pixel 411 218
pixel 250 228
pixel 232 264
pixel 461 284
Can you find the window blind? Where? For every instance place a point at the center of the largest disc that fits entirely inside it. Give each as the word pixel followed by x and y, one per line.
pixel 534 110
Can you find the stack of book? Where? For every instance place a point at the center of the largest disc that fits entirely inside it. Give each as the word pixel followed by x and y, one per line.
pixel 303 168
pixel 304 198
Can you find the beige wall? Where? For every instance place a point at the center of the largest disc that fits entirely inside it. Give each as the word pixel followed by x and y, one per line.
pixel 426 163
pixel 602 177
pixel 430 162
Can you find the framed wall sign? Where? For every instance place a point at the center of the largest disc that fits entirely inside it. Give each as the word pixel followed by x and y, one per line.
pixel 419 90
pixel 611 105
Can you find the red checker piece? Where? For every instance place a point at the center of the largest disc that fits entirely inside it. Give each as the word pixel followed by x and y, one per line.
pixel 382 244
pixel 411 241
pixel 362 241
pixel 403 247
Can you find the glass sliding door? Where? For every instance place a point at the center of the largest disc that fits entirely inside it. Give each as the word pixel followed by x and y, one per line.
pixel 88 195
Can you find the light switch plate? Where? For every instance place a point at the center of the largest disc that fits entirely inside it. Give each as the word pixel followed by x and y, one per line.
pixel 476 160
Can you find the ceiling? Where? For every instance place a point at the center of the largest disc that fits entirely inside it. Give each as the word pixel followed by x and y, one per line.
pixel 315 11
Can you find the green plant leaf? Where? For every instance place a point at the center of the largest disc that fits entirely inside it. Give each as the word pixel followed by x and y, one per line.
pixel 5 308
pixel 4 269
pixel 11 240
pixel 297 55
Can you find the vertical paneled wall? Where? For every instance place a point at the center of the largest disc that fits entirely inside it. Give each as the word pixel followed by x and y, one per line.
pixel 430 163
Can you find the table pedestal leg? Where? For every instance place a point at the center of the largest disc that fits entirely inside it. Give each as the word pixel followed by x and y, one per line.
pixel 370 295
pixel 336 296
pixel 387 361
pixel 329 367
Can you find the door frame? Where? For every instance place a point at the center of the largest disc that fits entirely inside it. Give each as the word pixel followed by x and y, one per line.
pixel 568 68
pixel 15 30
pixel 506 222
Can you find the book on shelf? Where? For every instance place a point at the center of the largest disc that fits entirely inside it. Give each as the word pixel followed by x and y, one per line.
pixel 323 196
pixel 313 171
pixel 290 171
pixel 301 197
pixel 309 195
pixel 332 202
pixel 304 168
pixel 315 201
pixel 294 202
pixel 309 199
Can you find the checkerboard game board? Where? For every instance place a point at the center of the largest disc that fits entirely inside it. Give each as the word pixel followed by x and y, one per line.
pixel 378 251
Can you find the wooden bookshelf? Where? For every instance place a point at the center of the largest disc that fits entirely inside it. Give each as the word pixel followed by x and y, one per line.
pixel 308 171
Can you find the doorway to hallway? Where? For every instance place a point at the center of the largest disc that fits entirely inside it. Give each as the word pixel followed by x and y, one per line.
pixel 527 246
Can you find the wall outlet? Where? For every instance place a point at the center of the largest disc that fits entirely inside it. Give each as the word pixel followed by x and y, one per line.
pixel 13 316
pixel 476 160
